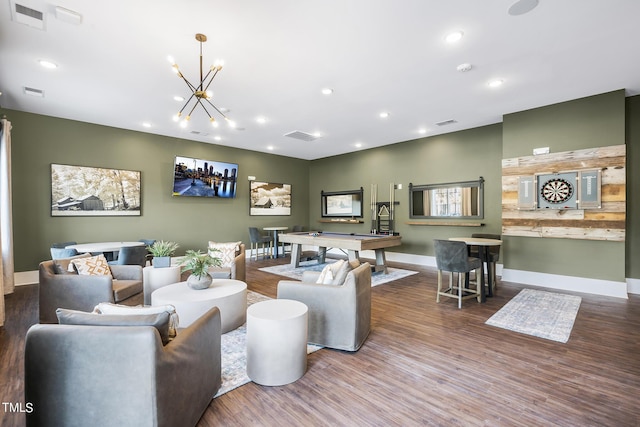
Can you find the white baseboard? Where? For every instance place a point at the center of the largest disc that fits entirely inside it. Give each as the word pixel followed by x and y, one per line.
pixel 567 283
pixel 553 281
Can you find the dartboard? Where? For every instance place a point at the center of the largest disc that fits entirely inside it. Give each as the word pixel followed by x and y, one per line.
pixel 556 190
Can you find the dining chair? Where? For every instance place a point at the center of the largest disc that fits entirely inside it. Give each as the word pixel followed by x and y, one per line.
pixel 453 257
pixel 147 243
pixel 494 257
pixel 258 239
pixel 63 244
pixel 59 253
pixel 131 255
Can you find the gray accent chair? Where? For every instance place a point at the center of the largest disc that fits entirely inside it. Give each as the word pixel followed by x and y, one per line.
pixel 453 257
pixel 59 288
pixel 121 375
pixel 339 315
pixel 61 253
pixel 237 270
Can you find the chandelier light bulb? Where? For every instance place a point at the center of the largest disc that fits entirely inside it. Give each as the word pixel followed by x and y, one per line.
pixel 183 123
pixel 176 117
pixel 230 122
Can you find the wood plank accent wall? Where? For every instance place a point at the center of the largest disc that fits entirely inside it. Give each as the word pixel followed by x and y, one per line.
pixel 606 223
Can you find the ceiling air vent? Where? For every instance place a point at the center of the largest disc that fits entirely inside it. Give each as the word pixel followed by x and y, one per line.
pixel 25 15
pixel 33 92
pixel 302 136
pixel 446 122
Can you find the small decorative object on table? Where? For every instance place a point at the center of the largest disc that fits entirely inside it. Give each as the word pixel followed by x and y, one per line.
pixel 162 252
pixel 199 263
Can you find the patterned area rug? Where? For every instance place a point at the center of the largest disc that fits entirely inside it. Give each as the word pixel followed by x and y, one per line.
pixel 539 313
pixel 377 278
pixel 234 354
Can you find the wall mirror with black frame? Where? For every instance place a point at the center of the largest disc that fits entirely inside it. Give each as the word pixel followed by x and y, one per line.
pixel 342 204
pixel 464 199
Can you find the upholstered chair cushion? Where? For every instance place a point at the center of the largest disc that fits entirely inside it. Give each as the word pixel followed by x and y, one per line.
pixel 120 309
pixel 64 266
pixel 160 321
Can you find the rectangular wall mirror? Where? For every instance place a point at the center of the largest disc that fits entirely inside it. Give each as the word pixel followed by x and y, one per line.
pixel 463 199
pixel 342 204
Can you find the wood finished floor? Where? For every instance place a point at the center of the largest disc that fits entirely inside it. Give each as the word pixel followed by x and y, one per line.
pixel 423 364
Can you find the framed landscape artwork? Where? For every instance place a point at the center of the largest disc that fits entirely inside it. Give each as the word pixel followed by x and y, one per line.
pixel 89 191
pixel 270 199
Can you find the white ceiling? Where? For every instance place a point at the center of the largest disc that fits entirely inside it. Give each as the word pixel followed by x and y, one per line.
pixel 377 55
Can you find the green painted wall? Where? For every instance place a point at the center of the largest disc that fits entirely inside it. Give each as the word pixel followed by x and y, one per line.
pixel 601 120
pixel 595 121
pixel 38 141
pixel 633 187
pixel 459 156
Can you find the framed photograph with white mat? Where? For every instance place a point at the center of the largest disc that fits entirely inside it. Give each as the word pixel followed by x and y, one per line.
pixel 267 198
pixel 92 191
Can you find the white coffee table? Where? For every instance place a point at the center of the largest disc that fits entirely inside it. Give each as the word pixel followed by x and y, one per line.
pixel 276 341
pixel 230 296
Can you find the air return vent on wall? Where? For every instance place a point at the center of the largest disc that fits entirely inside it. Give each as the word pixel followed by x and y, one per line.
pixel 28 16
pixel 302 136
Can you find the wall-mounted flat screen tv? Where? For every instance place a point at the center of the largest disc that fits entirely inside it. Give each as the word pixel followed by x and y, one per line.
pixel 204 178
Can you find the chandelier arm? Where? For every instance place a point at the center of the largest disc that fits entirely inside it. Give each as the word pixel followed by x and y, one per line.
pixel 194 107
pixel 210 80
pixel 216 108
pixel 192 87
pixel 186 103
pixel 199 101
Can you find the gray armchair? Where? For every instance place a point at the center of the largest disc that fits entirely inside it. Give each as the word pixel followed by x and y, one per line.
pixel 61 289
pixel 121 375
pixel 339 315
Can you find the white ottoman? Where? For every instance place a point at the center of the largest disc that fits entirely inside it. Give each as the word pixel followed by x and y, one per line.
pixel 230 296
pixel 155 278
pixel 276 341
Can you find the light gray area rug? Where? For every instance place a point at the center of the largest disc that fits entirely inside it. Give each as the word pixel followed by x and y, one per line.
pixel 234 352
pixel 296 273
pixel 542 314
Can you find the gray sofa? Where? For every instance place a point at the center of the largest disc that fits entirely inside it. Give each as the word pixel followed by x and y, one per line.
pixel 339 315
pixel 61 289
pixel 121 375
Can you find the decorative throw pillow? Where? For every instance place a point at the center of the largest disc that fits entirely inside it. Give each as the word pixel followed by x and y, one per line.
pixel 225 251
pixel 92 266
pixel 119 309
pixel 329 273
pixel 341 274
pixel 64 266
pixel 160 321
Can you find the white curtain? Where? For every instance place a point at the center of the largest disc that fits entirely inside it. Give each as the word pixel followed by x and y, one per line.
pixel 6 231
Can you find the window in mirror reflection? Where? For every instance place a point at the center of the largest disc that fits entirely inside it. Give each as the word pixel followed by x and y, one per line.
pixel 459 199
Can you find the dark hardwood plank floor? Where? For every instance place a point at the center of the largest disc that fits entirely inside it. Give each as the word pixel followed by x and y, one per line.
pixel 423 364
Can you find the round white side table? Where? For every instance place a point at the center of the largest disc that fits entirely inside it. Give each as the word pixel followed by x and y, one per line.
pixel 276 341
pixel 155 278
pixel 230 296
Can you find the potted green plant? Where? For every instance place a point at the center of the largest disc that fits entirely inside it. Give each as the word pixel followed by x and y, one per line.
pixel 162 252
pixel 198 264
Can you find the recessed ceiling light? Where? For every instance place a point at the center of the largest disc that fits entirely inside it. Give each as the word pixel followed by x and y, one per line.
pixel 217 138
pixel 270 148
pixel 384 115
pixel 47 64
pixel 261 120
pixel 453 36
pixel 178 98
pixel 422 131
pixel 463 68
pixel 327 91
pixel 358 144
pixel 495 83
pixel 146 124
